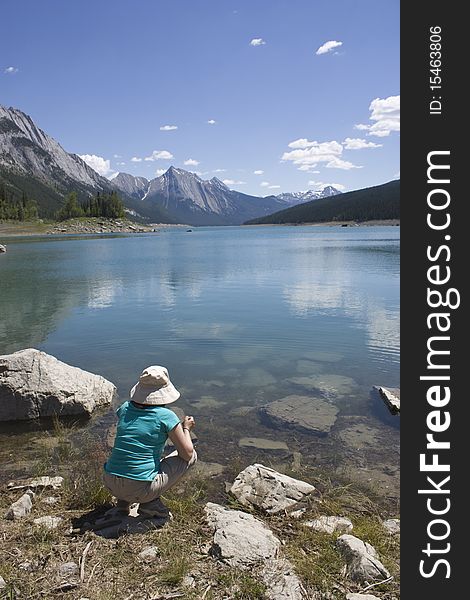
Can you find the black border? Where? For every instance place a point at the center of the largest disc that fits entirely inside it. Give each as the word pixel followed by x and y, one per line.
pixel 423 133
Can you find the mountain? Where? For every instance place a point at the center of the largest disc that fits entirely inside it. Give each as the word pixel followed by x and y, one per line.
pixel 33 163
pixel 135 187
pixel 186 198
pixel 293 198
pixel 374 203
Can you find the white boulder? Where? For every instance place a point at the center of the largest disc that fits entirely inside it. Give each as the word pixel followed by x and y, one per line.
pixel 34 384
pixel 330 524
pixel 362 562
pixel 21 508
pixel 240 539
pixel 269 490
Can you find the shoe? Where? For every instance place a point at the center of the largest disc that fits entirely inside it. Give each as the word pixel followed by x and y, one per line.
pixel 158 510
pixel 111 517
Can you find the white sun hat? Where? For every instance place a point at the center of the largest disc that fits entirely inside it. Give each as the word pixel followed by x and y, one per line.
pixel 154 387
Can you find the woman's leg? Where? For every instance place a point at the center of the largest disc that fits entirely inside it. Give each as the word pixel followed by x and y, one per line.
pixel 125 490
pixel 172 469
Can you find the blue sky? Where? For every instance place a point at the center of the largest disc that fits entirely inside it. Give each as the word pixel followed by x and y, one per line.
pixel 104 77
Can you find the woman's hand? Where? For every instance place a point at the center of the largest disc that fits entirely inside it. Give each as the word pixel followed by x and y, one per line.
pixel 188 423
pixel 181 441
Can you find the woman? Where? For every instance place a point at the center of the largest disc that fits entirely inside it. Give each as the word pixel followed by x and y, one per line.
pixel 135 471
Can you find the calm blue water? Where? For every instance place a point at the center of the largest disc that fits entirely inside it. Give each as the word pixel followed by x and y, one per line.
pixel 239 315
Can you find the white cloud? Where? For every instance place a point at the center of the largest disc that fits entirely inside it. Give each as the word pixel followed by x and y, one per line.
pixel 264 184
pixel 211 122
pixel 11 70
pixel 328 47
pixel 359 144
pixel 159 155
pixel 121 164
pixel 385 112
pixel 308 154
pixel 345 165
pixel 318 186
pixel 115 174
pixel 257 42
pixel 98 164
pixel 274 187
pixel 159 172
pixel 190 162
pixel 117 156
pixel 219 170
pixel 233 182
pixel 168 127
pixel 258 172
pixel 136 159
pixel 301 143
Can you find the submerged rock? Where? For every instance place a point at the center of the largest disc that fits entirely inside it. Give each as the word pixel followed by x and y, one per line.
pixel 207 469
pixel 257 377
pixel 361 558
pixel 265 488
pixel 309 367
pixel 34 384
pixel 324 356
pixel 331 385
pixel 241 411
pixel 330 524
pixel 360 435
pixel 304 413
pixel 262 444
pixel 240 539
pixel 2 248
pixel 206 402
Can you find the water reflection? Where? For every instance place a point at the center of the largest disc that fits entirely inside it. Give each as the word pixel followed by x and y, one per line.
pixel 240 316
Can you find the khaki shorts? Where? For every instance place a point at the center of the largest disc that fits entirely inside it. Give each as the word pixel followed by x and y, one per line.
pixel 172 468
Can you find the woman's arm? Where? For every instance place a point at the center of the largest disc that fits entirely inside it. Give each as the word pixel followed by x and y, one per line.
pixel 181 438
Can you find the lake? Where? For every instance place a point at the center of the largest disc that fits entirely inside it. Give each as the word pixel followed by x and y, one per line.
pixel 240 316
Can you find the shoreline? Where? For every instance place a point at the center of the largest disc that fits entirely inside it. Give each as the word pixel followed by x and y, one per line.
pixel 98 226
pixel 377 223
pixel 90 226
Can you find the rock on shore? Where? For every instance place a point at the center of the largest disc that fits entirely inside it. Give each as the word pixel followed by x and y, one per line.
pixel 98 225
pixel 361 558
pixel 241 540
pixel 390 397
pixel 269 490
pixel 34 384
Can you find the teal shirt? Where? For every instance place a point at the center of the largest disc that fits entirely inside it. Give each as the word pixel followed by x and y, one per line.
pixel 140 438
